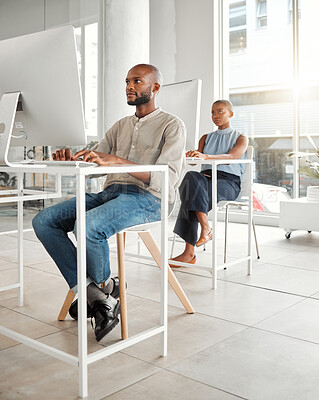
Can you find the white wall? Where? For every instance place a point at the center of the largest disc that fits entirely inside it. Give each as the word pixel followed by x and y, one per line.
pixel 163 38
pixel 20 17
pixel 185 25
pixel 194 57
pixel 126 44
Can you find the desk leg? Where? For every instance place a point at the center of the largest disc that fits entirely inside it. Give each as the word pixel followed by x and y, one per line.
pixel 164 257
pixel 214 226
pixel 250 219
pixel 81 270
pixel 20 238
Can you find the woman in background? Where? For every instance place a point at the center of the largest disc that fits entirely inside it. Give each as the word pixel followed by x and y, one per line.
pixel 196 189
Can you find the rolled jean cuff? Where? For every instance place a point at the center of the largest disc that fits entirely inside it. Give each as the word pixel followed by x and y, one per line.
pixel 75 288
pixel 88 281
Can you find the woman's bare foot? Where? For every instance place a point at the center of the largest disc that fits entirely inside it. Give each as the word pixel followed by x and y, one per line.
pixel 187 257
pixel 184 257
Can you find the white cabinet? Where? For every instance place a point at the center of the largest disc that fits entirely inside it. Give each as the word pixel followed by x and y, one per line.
pixel 299 214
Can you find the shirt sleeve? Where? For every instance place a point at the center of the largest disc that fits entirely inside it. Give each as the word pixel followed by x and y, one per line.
pixel 108 144
pixel 173 155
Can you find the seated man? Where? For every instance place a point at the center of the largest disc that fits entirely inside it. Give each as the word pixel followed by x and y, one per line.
pixel 151 136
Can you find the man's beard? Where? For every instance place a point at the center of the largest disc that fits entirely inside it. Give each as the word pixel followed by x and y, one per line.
pixel 143 98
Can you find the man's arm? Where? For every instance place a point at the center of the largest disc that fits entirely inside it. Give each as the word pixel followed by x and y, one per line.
pixel 172 154
pixel 103 159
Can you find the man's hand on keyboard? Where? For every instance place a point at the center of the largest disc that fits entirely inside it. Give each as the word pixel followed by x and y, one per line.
pixel 97 157
pixel 63 155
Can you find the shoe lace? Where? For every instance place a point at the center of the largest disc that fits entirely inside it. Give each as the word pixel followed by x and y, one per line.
pixel 97 306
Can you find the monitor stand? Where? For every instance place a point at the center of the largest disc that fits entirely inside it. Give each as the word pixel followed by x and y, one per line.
pixel 8 109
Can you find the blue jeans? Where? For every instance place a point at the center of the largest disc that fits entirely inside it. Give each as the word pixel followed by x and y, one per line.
pixel 108 212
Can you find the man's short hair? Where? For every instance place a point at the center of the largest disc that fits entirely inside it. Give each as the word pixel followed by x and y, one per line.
pixel 226 103
pixel 157 75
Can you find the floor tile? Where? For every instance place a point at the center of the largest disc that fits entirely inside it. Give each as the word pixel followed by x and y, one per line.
pixel 296 281
pixel 5 265
pixel 187 333
pixel 299 321
pixel 301 259
pixel 44 295
pixel 20 323
pixel 8 243
pixel 32 253
pixel 257 365
pixel 236 303
pixel 168 385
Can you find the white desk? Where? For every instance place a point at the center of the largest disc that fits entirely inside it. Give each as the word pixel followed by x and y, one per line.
pixel 214 267
pixel 84 359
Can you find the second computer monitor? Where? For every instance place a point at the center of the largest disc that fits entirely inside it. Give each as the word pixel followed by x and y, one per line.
pixel 43 67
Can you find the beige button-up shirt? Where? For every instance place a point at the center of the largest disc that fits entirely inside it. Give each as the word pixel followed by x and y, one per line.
pixel 158 138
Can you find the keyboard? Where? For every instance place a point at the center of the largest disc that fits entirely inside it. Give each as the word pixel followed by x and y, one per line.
pixel 193 158
pixel 52 163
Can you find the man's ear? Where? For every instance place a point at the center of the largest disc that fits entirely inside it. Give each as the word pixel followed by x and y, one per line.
pixel 231 114
pixel 156 87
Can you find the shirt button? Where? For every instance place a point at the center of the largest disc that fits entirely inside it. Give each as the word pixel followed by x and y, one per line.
pixel 133 147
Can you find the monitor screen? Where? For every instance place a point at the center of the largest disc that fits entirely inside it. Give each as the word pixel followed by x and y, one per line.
pixel 183 100
pixel 43 67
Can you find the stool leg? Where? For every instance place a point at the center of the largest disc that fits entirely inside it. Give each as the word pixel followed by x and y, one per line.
pixel 257 250
pixel 66 305
pixel 172 280
pixel 121 272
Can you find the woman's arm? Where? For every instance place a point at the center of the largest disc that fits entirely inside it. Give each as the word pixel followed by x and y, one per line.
pixel 236 152
pixel 201 145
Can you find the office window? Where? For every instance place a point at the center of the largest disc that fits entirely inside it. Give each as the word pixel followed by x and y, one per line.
pixel 88 67
pixel 261 89
pixel 290 10
pixel 237 26
pixel 261 13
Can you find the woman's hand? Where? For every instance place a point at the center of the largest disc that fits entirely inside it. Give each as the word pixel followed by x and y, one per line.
pixel 197 154
pixel 97 157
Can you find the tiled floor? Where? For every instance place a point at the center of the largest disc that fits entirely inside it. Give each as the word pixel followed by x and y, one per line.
pixel 254 337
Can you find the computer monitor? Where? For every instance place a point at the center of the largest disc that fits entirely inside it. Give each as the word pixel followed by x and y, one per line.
pixel 183 99
pixel 43 67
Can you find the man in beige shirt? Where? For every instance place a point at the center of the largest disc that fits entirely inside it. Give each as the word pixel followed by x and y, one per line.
pixel 151 136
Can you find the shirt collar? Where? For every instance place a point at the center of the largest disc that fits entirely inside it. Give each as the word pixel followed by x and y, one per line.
pixel 223 131
pixel 148 116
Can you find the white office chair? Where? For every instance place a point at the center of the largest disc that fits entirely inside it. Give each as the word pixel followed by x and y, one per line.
pixel 242 200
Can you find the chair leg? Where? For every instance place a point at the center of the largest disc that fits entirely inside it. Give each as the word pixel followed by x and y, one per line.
pixel 120 239
pixel 152 247
pixel 173 245
pixel 226 226
pixel 66 305
pixel 257 250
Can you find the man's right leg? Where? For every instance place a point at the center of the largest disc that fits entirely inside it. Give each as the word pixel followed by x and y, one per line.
pixel 52 225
